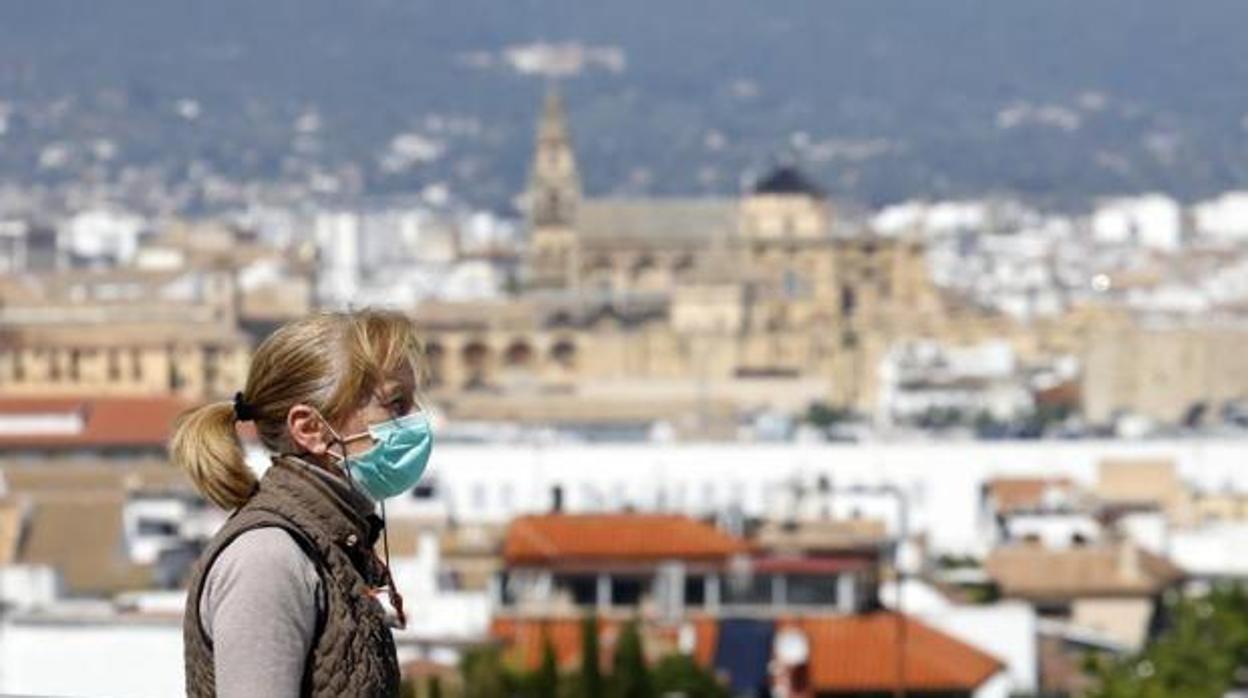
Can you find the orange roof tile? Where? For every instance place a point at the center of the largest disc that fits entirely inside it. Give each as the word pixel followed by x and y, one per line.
pixel 855 653
pixel 625 537
pixel 1013 494
pixel 106 421
pixel 859 653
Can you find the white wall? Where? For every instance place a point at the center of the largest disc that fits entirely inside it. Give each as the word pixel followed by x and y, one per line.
pixel 1056 530
pixel 495 482
pixel 51 658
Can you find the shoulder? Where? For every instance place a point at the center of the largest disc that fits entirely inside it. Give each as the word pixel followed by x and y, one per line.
pixel 262 566
pixel 262 552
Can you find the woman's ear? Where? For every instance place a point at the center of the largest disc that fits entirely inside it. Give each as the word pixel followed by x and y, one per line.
pixel 307 430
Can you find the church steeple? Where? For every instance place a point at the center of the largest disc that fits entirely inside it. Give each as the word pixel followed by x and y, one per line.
pixel 554 183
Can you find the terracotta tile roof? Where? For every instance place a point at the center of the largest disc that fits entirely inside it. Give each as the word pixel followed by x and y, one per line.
pixel 1034 572
pixel 88 422
pixel 848 654
pixel 859 653
pixel 1015 494
pixel 624 537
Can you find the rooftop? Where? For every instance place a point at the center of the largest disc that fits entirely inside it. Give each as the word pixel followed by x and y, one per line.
pixel 615 537
pixel 787 180
pixel 1028 493
pixel 76 423
pixel 856 653
pixel 1031 571
pixel 657 222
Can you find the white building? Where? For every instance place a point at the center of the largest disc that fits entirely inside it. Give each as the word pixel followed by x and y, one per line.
pixel 918 377
pixel 942 483
pixel 103 236
pixel 1152 220
pixel 1224 219
pixel 91 650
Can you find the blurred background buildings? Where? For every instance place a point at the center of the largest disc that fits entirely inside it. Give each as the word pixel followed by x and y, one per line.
pixel 781 437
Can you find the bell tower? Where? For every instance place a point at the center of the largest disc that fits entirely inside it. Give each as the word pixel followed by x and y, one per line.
pixel 553 196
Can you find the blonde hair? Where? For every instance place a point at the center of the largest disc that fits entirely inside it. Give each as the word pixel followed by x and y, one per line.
pixel 332 361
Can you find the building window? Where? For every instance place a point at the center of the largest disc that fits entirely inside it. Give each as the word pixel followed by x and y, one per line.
pixel 564 354
pixel 176 379
pixel 19 365
pixel 792 284
pixel 114 365
pixel 519 355
pixel 811 590
pixel 695 591
pixel 54 366
pixel 426 489
pixel 626 591
pixel 136 365
pixel 434 358
pixel 849 300
pixel 212 357
pixel 75 364
pixel 582 588
pixel 157 527
pixel 754 590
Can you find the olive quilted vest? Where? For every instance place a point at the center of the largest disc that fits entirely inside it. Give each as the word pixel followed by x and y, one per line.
pixel 353 653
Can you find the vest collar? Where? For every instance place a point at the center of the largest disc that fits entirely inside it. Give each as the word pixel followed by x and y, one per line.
pixel 343 512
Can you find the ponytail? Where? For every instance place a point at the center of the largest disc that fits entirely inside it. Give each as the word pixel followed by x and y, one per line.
pixel 206 445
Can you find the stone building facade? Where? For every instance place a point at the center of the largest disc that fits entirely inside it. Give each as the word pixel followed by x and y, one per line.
pixel 763 300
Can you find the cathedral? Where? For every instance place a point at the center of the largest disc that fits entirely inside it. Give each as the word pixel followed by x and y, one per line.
pixel 636 308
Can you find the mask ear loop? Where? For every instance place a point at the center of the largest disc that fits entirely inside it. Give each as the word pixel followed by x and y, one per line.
pixel 394 589
pixel 396 597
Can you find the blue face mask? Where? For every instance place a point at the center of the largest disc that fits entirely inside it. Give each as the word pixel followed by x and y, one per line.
pixel 398 458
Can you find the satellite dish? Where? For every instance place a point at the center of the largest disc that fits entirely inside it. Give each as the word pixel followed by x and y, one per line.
pixel 792 648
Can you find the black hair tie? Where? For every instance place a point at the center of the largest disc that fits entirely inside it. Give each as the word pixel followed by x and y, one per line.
pixel 243 411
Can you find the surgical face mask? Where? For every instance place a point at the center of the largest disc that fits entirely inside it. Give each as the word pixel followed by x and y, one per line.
pixel 396 461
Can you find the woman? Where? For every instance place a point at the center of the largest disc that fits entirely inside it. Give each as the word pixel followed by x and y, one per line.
pixel 286 599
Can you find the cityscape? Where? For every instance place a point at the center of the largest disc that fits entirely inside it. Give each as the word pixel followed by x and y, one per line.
pixel 772 431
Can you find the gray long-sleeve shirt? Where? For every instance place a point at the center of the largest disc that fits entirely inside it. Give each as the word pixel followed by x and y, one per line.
pixel 259 606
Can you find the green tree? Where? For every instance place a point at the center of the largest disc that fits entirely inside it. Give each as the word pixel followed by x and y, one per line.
pixel 1204 646
pixel 591 672
pixel 679 674
pixel 629 676
pixel 544 683
pixel 484 674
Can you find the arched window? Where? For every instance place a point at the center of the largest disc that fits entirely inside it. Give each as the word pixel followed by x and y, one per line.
pixel 476 358
pixel 518 355
pixel 435 363
pixel 563 353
